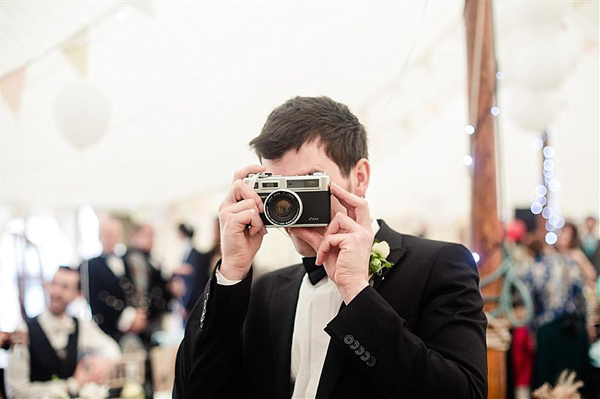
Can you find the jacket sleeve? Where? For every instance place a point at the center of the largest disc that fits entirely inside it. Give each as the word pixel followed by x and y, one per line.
pixel 446 357
pixel 209 359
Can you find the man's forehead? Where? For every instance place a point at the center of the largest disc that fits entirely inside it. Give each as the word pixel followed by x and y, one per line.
pixel 309 158
pixel 281 168
pixel 64 274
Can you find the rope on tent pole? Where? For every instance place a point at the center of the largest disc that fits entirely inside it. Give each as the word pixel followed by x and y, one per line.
pixel 507 273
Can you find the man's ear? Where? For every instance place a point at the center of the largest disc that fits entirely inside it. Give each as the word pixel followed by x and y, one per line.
pixel 361 174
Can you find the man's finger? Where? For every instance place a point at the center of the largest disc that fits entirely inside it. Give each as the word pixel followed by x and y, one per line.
pixel 329 242
pixel 341 222
pixel 248 217
pixel 244 172
pixel 358 208
pixel 239 192
pixel 240 206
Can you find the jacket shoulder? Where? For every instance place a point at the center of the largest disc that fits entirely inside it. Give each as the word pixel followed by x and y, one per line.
pixel 288 273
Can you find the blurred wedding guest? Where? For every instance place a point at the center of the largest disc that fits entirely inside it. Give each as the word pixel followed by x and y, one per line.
pixel 590 243
pixel 110 289
pixel 557 285
pixel 193 271
pixel 521 350
pixel 63 353
pixel 7 340
pixel 149 288
pixel 568 244
pixel 214 254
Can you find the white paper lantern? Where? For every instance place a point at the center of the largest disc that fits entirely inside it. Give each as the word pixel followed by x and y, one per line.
pixel 532 110
pixel 539 60
pixel 511 14
pixel 82 114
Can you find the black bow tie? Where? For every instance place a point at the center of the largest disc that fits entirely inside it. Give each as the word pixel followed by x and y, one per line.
pixel 315 273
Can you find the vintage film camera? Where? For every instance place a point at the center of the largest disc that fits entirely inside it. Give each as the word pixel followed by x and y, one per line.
pixel 293 201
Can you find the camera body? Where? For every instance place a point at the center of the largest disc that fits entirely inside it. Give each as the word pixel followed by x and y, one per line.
pixel 293 201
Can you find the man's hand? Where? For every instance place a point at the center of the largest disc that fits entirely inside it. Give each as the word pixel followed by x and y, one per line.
pixel 345 247
pixel 242 229
pixel 140 322
pixel 99 369
pixel 93 369
pixel 81 375
pixel 177 287
pixel 185 269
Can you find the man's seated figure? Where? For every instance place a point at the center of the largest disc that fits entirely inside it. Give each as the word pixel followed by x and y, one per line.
pixel 63 353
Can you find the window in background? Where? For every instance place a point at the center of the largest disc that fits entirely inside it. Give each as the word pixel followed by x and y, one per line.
pixel 88 227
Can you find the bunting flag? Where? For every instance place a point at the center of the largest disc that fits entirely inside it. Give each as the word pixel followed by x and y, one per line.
pixel 11 86
pixel 76 51
pixel 144 7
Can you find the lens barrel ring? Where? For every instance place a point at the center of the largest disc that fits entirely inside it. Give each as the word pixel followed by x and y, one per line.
pixel 272 201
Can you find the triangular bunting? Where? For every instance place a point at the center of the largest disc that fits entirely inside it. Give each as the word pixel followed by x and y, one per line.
pixel 12 86
pixel 76 51
pixel 144 7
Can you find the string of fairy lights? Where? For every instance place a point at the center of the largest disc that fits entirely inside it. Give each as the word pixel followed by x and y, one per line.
pixel 545 202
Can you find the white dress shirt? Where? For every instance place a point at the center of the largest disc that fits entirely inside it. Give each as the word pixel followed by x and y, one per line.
pixel 90 341
pixel 317 306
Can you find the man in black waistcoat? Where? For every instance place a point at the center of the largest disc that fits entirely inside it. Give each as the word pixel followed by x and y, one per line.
pixel 343 324
pixel 63 353
pixel 110 287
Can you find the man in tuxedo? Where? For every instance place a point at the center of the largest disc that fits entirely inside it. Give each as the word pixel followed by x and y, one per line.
pixel 150 289
pixel 328 328
pixel 110 289
pixel 62 353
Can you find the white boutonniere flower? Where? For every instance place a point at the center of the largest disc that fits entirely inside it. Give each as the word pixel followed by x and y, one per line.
pixel 379 253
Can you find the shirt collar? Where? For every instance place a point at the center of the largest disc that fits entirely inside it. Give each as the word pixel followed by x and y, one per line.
pixel 374 226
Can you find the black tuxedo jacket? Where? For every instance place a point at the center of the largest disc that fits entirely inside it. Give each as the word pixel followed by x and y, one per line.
pixel 109 294
pixel 418 332
pixel 157 296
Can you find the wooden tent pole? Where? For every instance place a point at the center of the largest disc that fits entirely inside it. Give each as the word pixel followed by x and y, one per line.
pixel 485 227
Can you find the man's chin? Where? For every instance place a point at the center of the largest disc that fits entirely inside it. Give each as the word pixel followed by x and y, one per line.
pixel 302 247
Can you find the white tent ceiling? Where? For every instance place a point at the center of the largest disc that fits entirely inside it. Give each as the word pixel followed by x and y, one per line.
pixel 191 83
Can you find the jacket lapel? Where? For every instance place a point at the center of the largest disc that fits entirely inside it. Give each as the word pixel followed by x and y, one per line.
pixel 397 250
pixel 336 354
pixel 283 312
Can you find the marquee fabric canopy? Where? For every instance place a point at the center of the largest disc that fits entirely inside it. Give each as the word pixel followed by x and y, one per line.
pixel 128 104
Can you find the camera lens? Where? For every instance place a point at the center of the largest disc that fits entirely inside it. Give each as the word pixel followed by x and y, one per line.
pixel 283 208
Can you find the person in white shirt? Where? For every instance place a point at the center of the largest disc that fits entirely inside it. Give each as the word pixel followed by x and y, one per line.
pixel 110 289
pixel 62 353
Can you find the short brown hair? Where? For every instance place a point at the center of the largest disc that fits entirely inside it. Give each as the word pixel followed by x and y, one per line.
pixel 303 119
pixel 574 242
